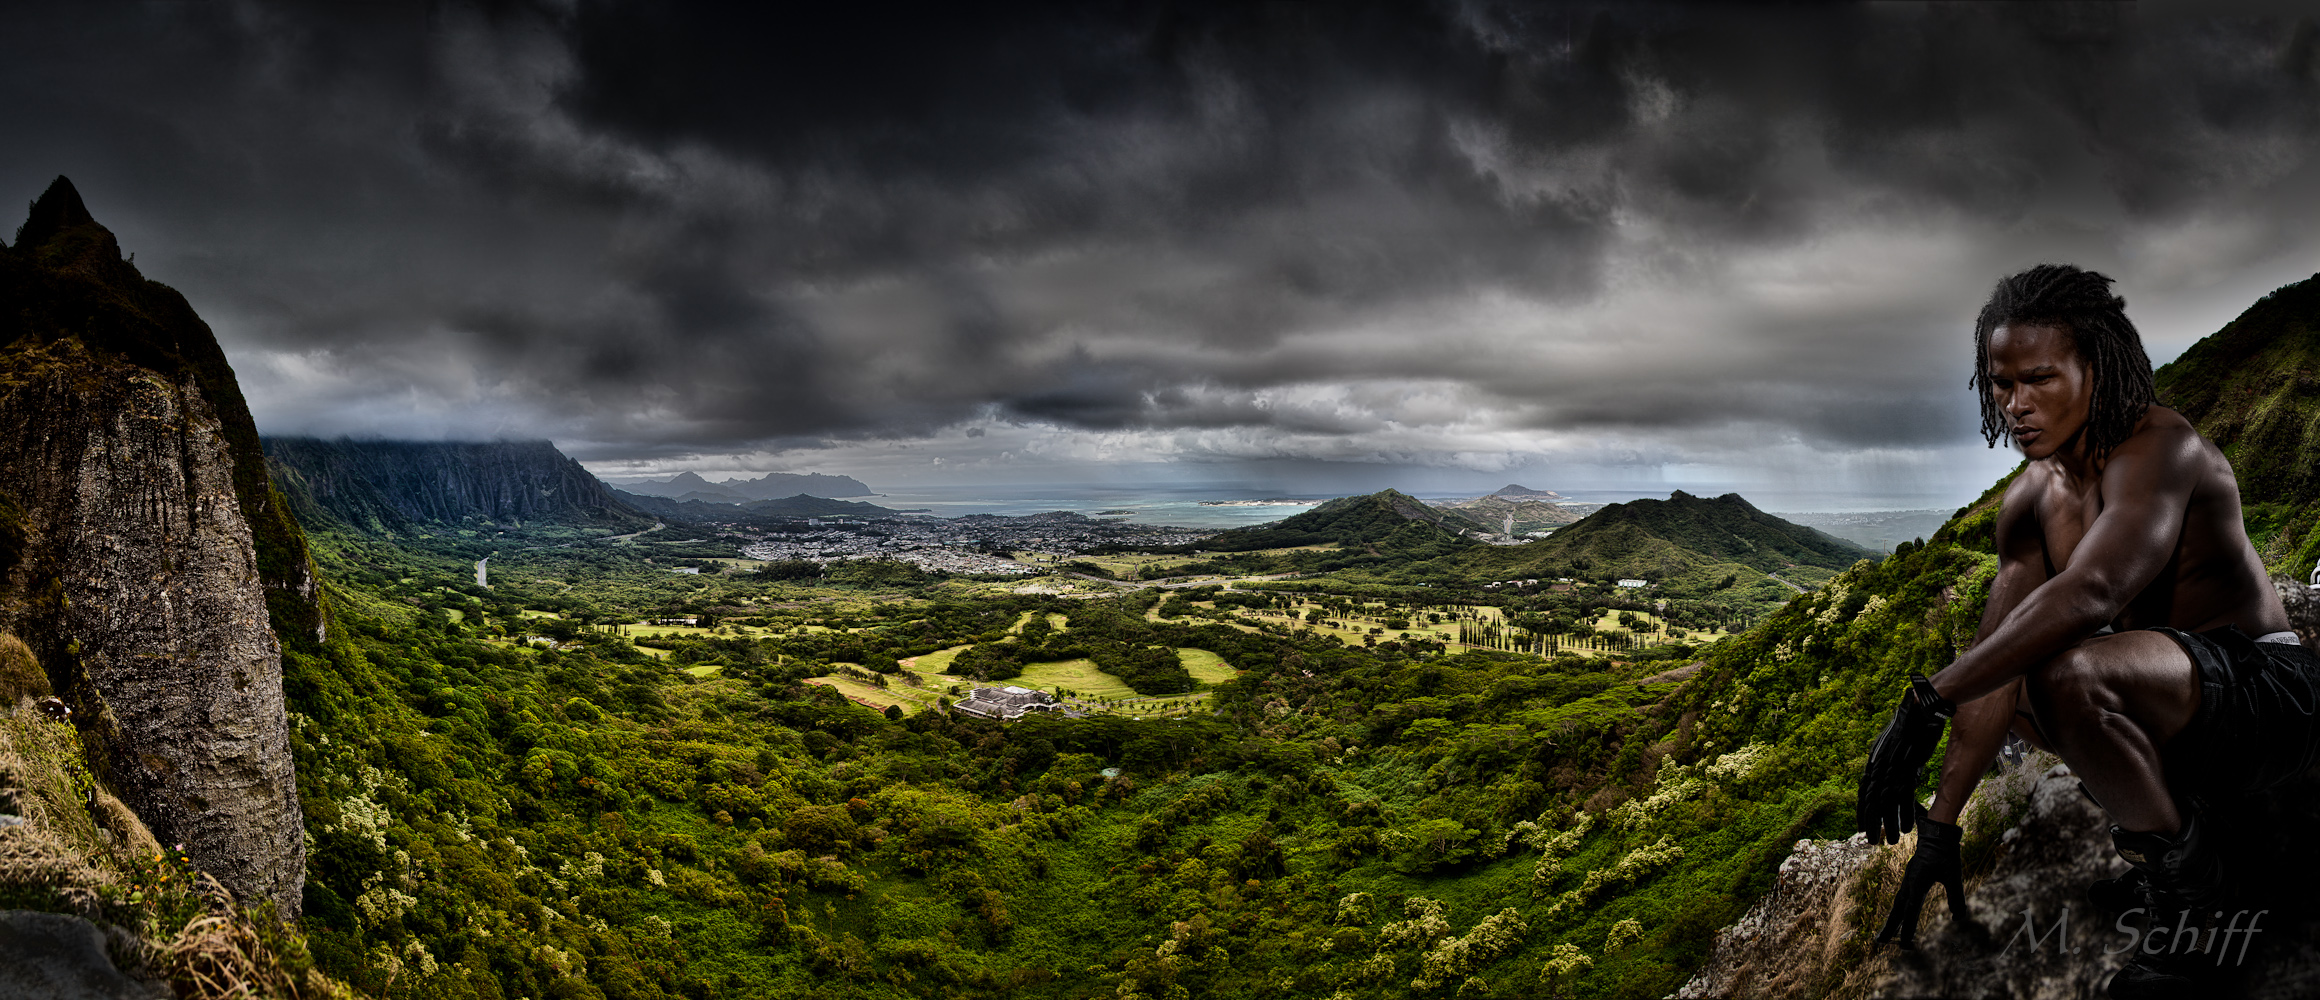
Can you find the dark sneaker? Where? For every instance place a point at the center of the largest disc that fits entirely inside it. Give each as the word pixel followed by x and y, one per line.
pixel 2180 868
pixel 2118 895
pixel 2146 979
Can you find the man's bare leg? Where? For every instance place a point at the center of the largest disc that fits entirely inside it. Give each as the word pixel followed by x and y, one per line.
pixel 2106 707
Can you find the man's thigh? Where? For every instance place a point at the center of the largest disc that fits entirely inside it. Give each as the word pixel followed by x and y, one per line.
pixel 2144 675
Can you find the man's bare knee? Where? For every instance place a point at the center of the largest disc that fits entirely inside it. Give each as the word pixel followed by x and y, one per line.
pixel 2071 693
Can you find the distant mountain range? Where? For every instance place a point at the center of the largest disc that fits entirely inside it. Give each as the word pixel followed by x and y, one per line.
pixel 1520 510
pixel 771 486
pixel 1398 537
pixel 692 508
pixel 395 487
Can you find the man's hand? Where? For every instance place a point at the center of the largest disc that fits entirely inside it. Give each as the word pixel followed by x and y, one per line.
pixel 1887 807
pixel 1935 863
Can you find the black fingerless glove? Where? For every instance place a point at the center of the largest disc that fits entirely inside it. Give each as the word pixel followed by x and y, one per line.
pixel 1935 863
pixel 1888 802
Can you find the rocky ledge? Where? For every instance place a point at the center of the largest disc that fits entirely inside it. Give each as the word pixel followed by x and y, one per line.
pixel 2031 933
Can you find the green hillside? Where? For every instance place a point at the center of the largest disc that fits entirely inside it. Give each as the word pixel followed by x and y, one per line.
pixel 1694 546
pixel 1390 521
pixel 1661 539
pixel 2254 389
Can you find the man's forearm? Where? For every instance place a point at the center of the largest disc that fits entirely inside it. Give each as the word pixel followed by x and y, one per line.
pixel 1975 734
pixel 2055 617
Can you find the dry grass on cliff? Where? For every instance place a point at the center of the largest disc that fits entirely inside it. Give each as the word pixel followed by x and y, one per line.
pixel 230 952
pixel 55 847
pixel 74 848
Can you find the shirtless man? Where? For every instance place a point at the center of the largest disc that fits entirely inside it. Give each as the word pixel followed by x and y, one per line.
pixel 2131 628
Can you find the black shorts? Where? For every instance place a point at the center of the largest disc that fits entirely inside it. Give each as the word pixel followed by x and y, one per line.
pixel 2258 722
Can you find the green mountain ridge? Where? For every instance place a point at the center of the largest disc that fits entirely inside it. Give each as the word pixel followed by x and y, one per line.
pixel 1658 539
pixel 1697 545
pixel 1389 519
pixel 2253 388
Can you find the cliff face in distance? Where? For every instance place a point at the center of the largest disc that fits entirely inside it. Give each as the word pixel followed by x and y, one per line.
pixel 390 487
pixel 149 563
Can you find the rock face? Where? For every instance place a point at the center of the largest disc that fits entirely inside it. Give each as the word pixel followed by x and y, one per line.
pixel 145 558
pixel 392 486
pixel 51 956
pixel 1808 913
pixel 2032 934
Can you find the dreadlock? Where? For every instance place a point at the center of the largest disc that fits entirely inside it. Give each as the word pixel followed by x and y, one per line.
pixel 2080 301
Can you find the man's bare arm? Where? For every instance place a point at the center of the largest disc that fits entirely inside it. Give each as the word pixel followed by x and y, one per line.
pixel 2146 487
pixel 1979 728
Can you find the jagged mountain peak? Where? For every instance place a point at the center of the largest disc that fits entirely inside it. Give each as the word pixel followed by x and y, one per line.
pixel 59 234
pixel 1728 499
pixel 58 209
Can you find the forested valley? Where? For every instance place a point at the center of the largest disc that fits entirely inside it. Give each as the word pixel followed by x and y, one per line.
pixel 590 813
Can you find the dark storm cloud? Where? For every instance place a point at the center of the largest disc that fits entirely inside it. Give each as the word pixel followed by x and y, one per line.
pixel 664 228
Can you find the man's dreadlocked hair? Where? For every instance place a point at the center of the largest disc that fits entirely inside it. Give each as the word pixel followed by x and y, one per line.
pixel 2080 301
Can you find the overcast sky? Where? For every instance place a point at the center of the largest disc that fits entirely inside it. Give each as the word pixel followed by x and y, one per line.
pixel 1309 246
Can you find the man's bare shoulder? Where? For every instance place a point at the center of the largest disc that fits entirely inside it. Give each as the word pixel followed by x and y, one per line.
pixel 2022 494
pixel 2018 510
pixel 2166 437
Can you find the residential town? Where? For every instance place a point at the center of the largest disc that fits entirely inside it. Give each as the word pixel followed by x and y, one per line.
pixel 974 544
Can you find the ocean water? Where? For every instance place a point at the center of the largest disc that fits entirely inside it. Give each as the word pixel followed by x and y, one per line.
pixel 1196 505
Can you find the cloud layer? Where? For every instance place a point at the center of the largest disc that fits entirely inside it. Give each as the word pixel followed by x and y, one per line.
pixel 1406 234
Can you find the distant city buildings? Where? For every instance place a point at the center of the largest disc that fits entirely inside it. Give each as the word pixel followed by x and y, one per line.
pixel 1007 704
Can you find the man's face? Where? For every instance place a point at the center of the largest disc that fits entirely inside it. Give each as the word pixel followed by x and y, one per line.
pixel 2044 387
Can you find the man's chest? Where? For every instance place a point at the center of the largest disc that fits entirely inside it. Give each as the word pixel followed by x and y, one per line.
pixel 2066 512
